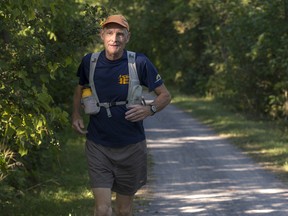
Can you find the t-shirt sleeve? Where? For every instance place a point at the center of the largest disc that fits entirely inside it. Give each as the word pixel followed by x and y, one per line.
pixel 83 70
pixel 148 73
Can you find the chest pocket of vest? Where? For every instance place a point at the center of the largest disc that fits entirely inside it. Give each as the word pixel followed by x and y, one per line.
pixel 136 95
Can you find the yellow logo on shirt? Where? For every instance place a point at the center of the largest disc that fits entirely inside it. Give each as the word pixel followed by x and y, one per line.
pixel 124 79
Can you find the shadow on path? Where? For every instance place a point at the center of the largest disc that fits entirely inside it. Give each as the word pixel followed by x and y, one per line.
pixel 196 172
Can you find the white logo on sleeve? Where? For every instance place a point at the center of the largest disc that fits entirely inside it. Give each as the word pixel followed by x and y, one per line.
pixel 158 78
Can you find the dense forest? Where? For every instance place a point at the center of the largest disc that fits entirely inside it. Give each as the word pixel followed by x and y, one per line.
pixel 232 50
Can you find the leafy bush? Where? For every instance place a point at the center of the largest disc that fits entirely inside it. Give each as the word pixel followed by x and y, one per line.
pixel 41 44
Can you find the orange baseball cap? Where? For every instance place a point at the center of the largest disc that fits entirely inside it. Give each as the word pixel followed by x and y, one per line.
pixel 119 19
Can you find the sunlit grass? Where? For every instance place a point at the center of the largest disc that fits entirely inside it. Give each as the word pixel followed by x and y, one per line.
pixel 266 141
pixel 285 167
pixel 69 196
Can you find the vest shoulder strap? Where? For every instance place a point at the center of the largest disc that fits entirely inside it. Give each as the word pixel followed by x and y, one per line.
pixel 93 62
pixel 133 76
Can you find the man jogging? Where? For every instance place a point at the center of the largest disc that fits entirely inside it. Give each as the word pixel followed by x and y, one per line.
pixel 116 145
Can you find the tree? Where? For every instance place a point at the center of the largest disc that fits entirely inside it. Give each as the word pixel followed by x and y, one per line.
pixel 40 43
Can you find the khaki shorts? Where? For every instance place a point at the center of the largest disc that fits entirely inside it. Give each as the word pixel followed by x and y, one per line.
pixel 123 170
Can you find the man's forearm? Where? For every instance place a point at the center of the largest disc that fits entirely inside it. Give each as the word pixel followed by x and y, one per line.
pixel 163 97
pixel 77 101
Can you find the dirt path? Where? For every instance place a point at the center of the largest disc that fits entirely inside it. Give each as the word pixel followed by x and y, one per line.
pixel 196 172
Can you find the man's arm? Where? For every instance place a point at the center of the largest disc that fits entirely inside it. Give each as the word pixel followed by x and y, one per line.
pixel 138 112
pixel 163 98
pixel 77 121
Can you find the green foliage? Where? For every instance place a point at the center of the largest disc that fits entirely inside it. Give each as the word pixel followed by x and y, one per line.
pixel 253 38
pixel 62 191
pixel 41 44
pixel 233 50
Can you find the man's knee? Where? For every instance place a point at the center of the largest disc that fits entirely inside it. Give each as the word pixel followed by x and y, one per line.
pixel 103 210
pixel 124 205
pixel 102 198
pixel 124 211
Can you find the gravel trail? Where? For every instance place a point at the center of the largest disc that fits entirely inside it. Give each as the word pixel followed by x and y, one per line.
pixel 196 172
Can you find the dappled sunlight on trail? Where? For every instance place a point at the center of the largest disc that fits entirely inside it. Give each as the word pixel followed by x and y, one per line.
pixel 199 173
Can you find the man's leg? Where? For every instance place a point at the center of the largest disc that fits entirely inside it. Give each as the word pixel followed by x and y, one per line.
pixel 124 205
pixel 102 197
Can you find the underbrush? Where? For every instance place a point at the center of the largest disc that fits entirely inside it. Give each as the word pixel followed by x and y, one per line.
pixel 62 191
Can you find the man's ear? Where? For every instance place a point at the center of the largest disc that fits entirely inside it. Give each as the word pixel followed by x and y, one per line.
pixel 101 33
pixel 128 37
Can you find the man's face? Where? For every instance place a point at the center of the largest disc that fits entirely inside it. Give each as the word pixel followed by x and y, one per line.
pixel 115 38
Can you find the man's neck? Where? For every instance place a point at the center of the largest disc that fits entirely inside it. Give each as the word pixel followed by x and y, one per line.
pixel 114 57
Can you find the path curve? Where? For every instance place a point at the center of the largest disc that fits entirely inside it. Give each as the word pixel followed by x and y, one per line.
pixel 196 172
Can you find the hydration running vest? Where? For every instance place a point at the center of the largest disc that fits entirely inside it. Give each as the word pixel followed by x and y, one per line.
pixel 134 95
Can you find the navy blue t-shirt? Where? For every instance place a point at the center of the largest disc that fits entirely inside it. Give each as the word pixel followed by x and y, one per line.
pixel 111 81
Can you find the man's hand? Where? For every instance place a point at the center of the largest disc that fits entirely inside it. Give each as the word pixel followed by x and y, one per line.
pixel 78 126
pixel 77 121
pixel 137 113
